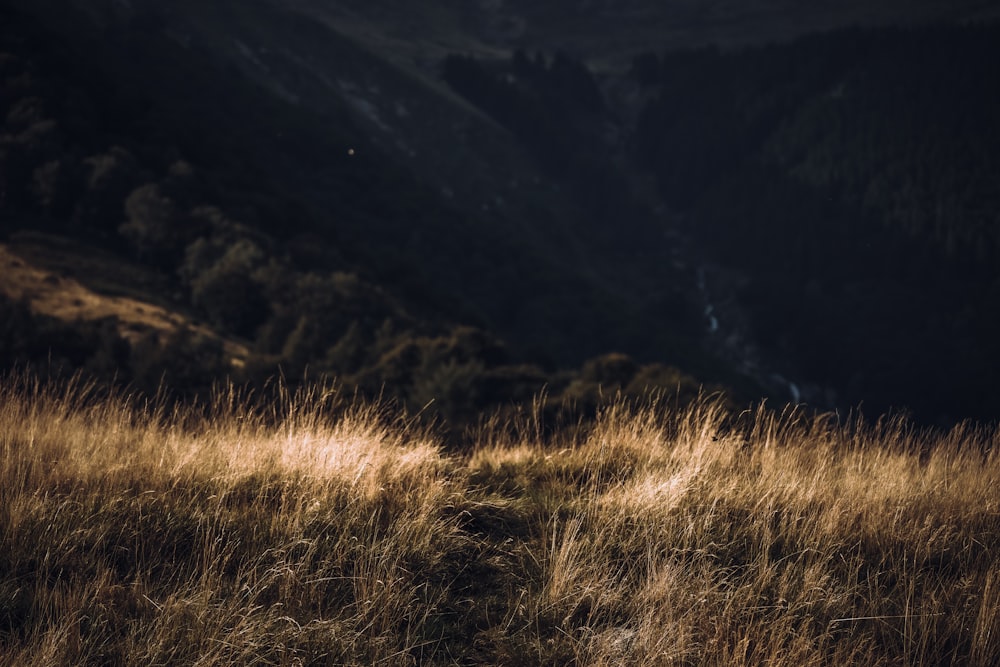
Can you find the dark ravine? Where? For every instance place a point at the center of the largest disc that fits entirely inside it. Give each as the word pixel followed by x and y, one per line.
pixel 727 326
pixel 332 141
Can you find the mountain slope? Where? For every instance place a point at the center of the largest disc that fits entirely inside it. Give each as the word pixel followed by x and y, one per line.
pixel 403 197
pixel 329 123
pixel 852 178
pixel 611 31
pixel 271 201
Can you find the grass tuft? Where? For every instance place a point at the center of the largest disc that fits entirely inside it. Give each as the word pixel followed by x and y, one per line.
pixel 312 528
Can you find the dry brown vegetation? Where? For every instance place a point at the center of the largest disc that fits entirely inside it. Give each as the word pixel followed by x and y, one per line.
pixel 45 274
pixel 310 529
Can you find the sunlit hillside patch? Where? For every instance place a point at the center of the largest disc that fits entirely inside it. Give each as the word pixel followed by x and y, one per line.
pixel 313 528
pixel 54 291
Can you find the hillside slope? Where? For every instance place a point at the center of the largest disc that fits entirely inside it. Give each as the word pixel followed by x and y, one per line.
pixel 852 179
pixel 411 199
pixel 269 201
pixel 421 191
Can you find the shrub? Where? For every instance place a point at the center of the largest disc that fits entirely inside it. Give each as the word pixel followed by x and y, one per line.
pixel 154 224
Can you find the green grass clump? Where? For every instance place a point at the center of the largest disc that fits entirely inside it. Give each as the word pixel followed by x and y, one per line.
pixel 313 530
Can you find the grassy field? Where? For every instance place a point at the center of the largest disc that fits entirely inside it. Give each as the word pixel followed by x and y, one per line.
pixel 311 529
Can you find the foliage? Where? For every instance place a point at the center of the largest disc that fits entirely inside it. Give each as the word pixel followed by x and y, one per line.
pixel 221 271
pixel 850 176
pixel 164 158
pixel 18 333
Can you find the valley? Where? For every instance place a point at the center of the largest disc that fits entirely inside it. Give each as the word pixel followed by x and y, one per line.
pixel 341 184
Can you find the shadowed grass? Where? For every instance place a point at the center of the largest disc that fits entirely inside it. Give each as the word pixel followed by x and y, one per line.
pixel 310 529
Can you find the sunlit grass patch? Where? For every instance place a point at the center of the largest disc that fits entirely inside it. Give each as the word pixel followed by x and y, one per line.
pixel 313 528
pixel 793 540
pixel 227 531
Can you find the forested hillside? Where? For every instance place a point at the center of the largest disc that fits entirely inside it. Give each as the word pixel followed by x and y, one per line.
pixel 295 233
pixel 814 219
pixel 854 177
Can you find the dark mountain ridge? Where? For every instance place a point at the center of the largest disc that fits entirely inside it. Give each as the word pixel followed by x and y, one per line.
pixel 294 226
pixel 447 215
pixel 852 176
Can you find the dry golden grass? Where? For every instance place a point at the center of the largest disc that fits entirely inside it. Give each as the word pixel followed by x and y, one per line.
pixel 313 530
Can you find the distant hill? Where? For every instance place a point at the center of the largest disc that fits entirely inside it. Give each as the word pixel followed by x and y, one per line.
pixel 276 205
pixel 464 204
pixel 611 31
pixel 854 178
